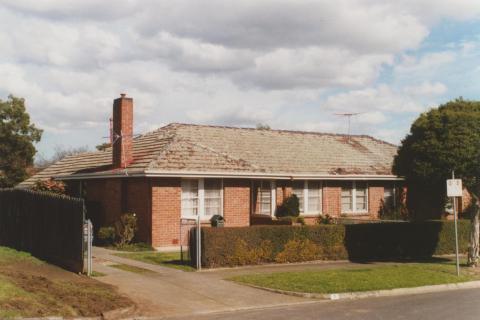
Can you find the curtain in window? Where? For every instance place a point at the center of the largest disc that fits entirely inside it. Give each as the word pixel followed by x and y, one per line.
pixel 189 197
pixel 262 197
pixel 213 197
pixel 361 196
pixel 347 201
pixel 314 196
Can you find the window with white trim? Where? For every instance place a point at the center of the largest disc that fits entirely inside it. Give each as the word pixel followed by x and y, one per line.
pixel 263 197
pixel 309 194
pixel 354 198
pixel 213 197
pixel 202 197
pixel 314 196
pixel 189 197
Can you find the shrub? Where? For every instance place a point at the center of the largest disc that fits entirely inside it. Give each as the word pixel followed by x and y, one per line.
pixel 390 240
pixel 50 185
pixel 289 208
pixel 126 228
pixel 107 235
pixel 297 250
pixel 325 219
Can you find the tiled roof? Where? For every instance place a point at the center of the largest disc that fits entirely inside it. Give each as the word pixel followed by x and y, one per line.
pixel 178 148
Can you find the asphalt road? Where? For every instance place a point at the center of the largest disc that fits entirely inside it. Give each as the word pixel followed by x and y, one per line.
pixel 451 305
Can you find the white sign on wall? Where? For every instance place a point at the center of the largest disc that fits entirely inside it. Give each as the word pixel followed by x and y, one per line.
pixel 454 188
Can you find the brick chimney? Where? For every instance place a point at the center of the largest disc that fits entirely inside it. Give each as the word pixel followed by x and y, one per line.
pixel 122 135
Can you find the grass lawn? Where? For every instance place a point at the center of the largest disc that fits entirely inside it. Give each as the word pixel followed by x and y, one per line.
pixel 403 275
pixel 166 259
pixel 33 288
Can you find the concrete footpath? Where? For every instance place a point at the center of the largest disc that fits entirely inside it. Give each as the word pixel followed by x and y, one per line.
pixel 168 292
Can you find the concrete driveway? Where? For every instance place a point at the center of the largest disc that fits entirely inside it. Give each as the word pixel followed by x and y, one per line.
pixel 168 292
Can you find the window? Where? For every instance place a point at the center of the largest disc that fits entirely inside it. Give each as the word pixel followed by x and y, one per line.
pixel 389 198
pixel 202 197
pixel 354 198
pixel 309 194
pixel 213 197
pixel 298 188
pixel 314 196
pixel 263 197
pixel 189 197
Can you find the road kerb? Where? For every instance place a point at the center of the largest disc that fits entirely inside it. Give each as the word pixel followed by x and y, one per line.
pixel 375 293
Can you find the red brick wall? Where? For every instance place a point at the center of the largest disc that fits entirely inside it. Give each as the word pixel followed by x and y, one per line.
pixel 332 191
pixel 375 199
pixel 236 202
pixel 166 209
pixel 138 200
pixel 107 192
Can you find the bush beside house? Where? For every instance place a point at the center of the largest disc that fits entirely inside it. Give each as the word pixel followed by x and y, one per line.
pixel 264 244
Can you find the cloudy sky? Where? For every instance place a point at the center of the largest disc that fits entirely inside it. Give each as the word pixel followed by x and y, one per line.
pixel 290 64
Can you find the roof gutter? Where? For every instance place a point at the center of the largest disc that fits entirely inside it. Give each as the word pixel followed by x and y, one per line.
pixel 247 175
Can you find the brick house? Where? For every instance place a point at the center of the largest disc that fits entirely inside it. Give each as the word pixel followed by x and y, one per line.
pixel 183 170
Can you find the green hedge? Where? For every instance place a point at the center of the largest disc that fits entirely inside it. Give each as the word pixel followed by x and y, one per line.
pixel 263 244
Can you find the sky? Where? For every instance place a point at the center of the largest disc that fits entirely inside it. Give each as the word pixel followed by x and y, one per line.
pixel 289 64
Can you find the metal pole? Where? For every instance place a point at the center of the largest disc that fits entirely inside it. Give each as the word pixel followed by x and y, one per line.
pixel 181 242
pixel 199 244
pixel 456 229
pixel 89 247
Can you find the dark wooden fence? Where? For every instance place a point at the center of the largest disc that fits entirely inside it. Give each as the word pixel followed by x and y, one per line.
pixel 48 226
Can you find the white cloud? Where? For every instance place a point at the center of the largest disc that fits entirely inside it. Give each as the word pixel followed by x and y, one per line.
pixel 426 89
pixel 222 62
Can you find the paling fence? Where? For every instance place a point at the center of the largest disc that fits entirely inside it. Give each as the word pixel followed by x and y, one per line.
pixel 48 226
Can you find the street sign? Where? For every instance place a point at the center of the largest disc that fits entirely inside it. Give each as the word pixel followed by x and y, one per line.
pixel 454 188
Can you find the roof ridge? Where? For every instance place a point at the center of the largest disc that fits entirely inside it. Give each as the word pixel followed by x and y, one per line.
pixel 176 124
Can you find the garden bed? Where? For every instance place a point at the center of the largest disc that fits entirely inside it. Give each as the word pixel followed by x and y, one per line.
pixel 32 288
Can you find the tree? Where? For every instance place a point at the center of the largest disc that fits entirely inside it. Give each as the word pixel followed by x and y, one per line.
pixel 262 126
pixel 441 140
pixel 60 152
pixel 17 138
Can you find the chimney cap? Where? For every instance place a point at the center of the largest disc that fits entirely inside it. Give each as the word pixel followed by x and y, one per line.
pixel 123 95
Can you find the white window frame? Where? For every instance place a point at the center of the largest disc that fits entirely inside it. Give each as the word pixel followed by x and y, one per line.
pixel 273 199
pixel 354 199
pixel 306 189
pixel 201 201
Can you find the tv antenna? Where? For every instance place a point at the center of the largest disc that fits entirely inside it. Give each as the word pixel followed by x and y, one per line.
pixel 349 116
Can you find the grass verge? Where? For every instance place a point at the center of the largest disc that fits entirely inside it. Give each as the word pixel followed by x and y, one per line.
pixel 405 275
pixel 166 259
pixel 32 288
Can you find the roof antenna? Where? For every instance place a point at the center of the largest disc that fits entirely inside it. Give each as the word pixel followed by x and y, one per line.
pixel 348 115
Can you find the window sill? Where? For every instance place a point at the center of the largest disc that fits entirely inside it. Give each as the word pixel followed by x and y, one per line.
pixel 311 214
pixel 355 214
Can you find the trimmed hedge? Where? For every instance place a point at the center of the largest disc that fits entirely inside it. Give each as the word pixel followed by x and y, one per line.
pixel 262 244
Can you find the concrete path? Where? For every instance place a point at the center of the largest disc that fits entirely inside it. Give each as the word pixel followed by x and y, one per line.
pixel 169 292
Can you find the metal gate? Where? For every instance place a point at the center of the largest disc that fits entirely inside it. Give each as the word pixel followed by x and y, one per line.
pixel 186 227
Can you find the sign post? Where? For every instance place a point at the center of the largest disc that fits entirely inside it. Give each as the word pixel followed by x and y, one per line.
pixel 454 190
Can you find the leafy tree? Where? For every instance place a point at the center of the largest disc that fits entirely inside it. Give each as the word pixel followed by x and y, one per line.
pixel 290 207
pixel 441 140
pixel 17 138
